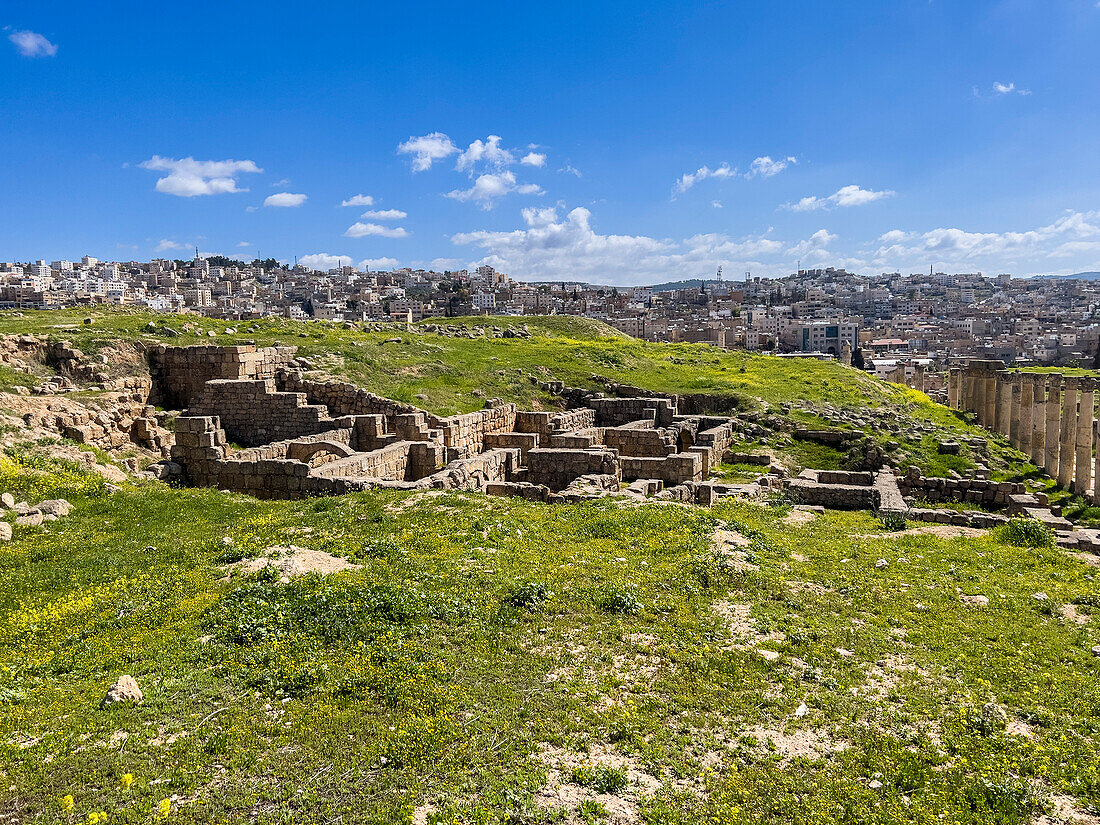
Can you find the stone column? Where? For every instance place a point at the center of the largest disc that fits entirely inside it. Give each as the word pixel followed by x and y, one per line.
pixel 1039 422
pixel 1096 460
pixel 1004 402
pixel 1054 420
pixel 918 377
pixel 1082 476
pixel 989 406
pixel 1027 404
pixel 953 379
pixel 1014 421
pixel 1068 433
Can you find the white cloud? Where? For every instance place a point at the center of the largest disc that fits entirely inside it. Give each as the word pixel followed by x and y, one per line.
pixel 385 214
pixel 533 159
pixel 1075 233
pixel 850 195
pixel 243 244
pixel 490 152
pixel 446 264
pixel 32 44
pixel 378 264
pixel 716 204
pixel 188 177
pixel 765 167
pixel 324 261
pixel 358 200
pixel 551 247
pixel 689 179
pixel 427 149
pixel 491 186
pixel 1009 88
pixel 167 244
pixel 285 199
pixel 569 169
pixel 362 230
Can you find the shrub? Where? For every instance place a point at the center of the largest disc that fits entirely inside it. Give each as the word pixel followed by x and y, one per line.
pixel 1024 532
pixel 529 596
pixel 600 778
pixel 892 520
pixel 618 599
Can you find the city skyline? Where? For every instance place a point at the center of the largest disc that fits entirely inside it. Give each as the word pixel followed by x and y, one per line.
pixel 606 144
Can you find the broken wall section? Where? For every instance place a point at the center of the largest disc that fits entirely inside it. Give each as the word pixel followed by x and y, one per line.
pixel 179 374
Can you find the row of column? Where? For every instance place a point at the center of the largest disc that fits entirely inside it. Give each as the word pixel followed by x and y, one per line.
pixel 1050 417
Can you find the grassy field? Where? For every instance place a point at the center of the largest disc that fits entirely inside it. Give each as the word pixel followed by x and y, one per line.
pixel 490 658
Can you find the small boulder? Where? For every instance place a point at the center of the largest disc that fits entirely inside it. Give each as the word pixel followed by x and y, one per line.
pixel 32 518
pixel 124 690
pixel 55 507
pixel 5 531
pixel 7 501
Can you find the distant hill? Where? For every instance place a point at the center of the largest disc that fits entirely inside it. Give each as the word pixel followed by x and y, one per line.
pixel 1077 276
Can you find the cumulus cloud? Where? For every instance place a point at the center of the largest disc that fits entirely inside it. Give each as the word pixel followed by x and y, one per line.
pixel 1009 88
pixel 358 200
pixel 378 264
pixel 427 149
pixel 167 244
pixel 32 44
pixel 243 244
pixel 850 195
pixel 362 230
pixel 285 199
pixel 689 179
pixel 1074 233
pixel 765 167
pixel 761 167
pixel 569 169
pixel 323 261
pixel 555 247
pixel 533 159
pixel 189 178
pixel 385 214
pixel 489 152
pixel 491 186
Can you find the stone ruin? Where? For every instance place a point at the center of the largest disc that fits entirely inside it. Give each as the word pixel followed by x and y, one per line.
pixel 253 423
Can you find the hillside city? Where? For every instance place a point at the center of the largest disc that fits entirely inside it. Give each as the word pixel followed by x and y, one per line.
pixel 903 327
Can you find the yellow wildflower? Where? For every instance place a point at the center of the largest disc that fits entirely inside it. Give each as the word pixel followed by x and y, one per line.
pixel 127 781
pixel 67 802
pixel 164 808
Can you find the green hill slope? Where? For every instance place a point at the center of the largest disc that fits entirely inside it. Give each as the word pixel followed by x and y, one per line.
pixel 492 660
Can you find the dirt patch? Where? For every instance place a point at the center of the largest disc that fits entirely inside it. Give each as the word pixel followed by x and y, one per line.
pixel 1065 811
pixel 732 545
pixel 413 500
pixel 291 561
pixel 806 743
pixel 561 793
pixel 940 531
pixel 1071 614
pixel 799 517
pixel 1091 559
pixel 742 628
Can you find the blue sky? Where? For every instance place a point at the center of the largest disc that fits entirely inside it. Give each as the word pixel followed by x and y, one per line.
pixel 606 141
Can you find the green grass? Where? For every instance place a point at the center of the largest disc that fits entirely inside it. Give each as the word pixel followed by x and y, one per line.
pixel 482 636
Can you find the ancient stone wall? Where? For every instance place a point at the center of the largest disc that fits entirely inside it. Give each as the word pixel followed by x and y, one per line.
pixel 633 441
pixel 557 469
pixel 672 470
pixel 615 412
pixel 340 397
pixel 179 374
pixel 464 435
pixel 253 413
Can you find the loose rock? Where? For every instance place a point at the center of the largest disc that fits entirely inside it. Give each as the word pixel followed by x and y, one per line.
pixel 124 690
